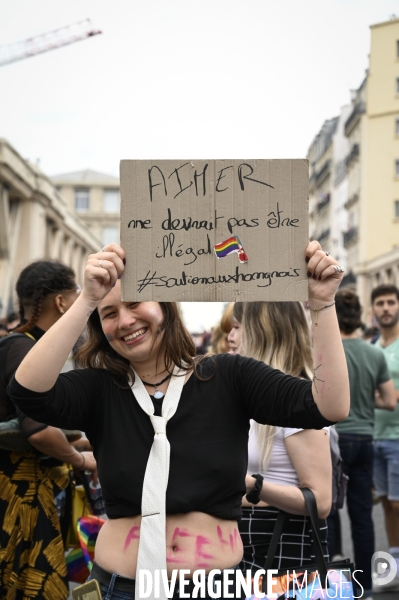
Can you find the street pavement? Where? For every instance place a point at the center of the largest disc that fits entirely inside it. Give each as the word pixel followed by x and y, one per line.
pixel 381 542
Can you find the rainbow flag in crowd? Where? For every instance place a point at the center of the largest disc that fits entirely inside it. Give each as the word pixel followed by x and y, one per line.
pixel 80 560
pixel 230 245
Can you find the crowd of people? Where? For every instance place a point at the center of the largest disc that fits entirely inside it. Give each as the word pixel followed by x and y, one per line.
pixel 196 454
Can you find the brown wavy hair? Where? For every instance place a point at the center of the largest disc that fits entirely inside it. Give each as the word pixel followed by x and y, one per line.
pixel 176 345
pixel 219 343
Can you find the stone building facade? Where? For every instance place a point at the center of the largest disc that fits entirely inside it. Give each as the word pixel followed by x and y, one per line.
pixel 367 221
pixel 35 223
pixel 95 198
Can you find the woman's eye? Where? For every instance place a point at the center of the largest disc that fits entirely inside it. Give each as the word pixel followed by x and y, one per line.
pixel 109 315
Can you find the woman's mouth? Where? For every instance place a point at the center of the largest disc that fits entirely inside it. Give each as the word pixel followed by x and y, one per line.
pixel 136 334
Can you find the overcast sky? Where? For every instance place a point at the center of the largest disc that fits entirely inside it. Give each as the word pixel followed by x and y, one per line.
pixel 181 78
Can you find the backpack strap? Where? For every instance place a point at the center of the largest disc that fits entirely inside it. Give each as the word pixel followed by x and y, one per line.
pixel 13 335
pixel 29 335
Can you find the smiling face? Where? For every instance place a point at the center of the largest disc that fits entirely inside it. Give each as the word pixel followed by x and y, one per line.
pixel 386 310
pixel 131 328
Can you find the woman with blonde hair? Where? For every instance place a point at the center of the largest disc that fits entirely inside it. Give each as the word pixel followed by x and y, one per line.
pixel 277 333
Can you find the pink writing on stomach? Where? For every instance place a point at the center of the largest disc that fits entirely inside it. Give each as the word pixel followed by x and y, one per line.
pixel 132 535
pixel 200 555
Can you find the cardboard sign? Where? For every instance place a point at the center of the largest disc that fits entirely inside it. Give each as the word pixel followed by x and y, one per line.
pixel 214 230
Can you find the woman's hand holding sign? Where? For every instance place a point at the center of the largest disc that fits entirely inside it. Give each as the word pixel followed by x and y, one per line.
pixel 324 273
pixel 103 269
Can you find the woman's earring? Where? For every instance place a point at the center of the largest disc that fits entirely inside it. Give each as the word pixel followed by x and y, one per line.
pixel 62 311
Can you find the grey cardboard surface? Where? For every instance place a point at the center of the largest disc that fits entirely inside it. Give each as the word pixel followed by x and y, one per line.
pixel 173 213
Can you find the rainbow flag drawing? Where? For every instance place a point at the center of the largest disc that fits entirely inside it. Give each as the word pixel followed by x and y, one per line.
pixel 232 244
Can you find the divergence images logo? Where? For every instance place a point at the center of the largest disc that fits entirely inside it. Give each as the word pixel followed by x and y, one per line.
pixel 383 568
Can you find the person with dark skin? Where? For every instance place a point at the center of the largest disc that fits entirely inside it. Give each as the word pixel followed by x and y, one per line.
pixel 32 560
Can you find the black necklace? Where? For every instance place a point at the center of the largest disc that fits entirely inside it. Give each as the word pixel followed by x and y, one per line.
pixel 158 395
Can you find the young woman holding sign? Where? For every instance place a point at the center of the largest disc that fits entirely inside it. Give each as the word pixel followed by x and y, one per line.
pixel 139 361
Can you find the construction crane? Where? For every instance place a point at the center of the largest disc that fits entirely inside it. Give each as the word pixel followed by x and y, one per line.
pixel 47 41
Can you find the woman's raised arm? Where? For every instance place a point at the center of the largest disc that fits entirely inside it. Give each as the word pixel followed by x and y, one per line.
pixel 330 373
pixel 41 366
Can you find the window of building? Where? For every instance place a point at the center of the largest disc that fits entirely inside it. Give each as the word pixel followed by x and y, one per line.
pixel 397 126
pixel 111 201
pixel 397 168
pixel 397 48
pixel 397 209
pixel 110 234
pixel 82 199
pixel 397 85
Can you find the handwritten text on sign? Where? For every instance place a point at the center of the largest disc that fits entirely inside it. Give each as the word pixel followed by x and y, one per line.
pixel 214 229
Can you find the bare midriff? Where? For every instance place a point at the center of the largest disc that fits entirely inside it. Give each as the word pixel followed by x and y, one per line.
pixel 193 541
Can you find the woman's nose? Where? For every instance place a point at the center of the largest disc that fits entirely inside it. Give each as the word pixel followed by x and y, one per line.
pixel 126 318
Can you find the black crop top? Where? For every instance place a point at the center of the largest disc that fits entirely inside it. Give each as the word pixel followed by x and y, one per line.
pixel 208 434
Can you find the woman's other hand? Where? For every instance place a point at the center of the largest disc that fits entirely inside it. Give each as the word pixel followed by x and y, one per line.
pixel 88 464
pixel 103 269
pixel 51 441
pixel 324 273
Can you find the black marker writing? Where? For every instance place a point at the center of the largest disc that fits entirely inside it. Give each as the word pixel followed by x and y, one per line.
pixel 135 223
pixel 276 220
pixel 222 177
pixel 196 176
pixel 171 282
pixel 241 177
pixel 151 185
pixel 186 223
pixel 233 222
pixel 176 172
pixel 168 247
pixel 183 179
